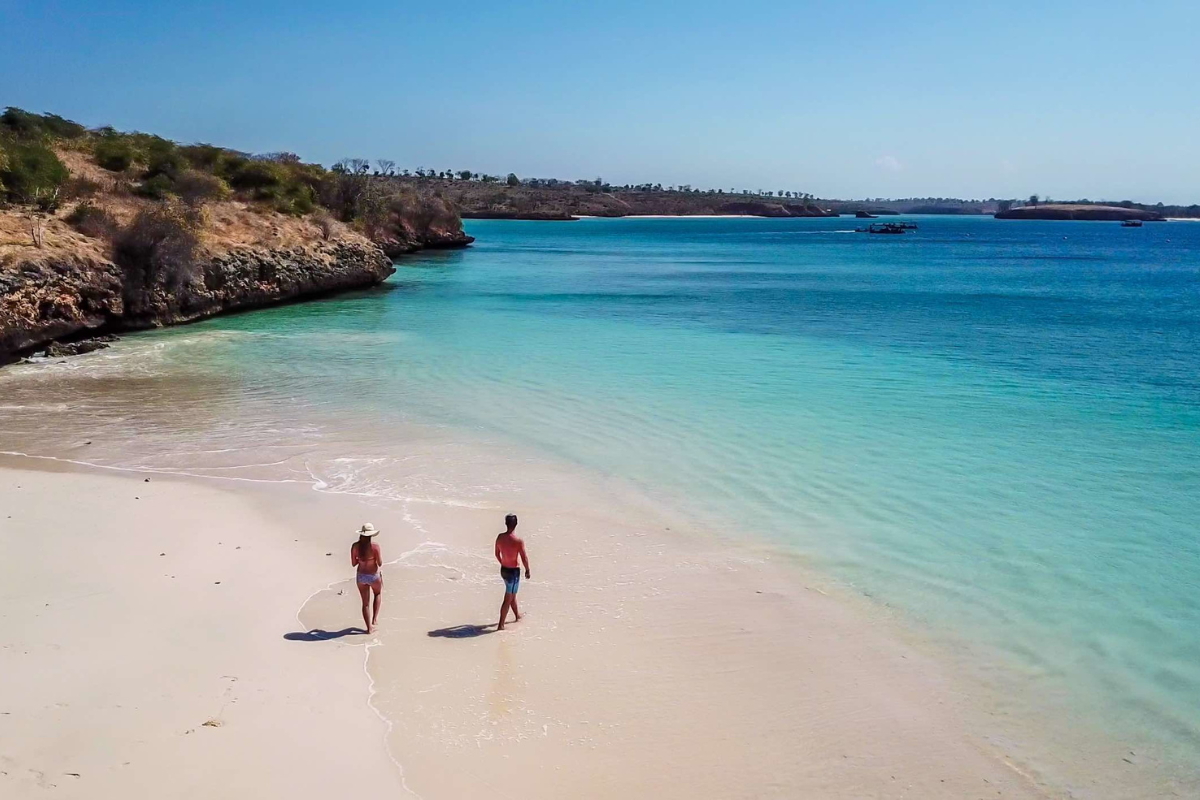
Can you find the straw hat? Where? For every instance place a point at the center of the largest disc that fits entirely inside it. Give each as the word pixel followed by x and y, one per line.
pixel 367 530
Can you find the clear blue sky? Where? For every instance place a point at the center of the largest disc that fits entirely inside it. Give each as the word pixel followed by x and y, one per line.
pixel 1067 99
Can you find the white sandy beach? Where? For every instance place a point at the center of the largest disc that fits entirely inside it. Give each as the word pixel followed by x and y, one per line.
pixel 135 613
pixel 143 652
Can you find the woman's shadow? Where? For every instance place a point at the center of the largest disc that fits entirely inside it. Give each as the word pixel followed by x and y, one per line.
pixel 318 635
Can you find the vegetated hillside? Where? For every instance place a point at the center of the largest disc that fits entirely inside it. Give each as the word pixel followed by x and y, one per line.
pixel 562 200
pixel 105 231
pixel 1078 211
pixel 914 205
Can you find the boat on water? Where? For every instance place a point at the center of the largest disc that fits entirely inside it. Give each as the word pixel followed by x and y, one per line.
pixel 1131 223
pixel 892 228
pixel 865 215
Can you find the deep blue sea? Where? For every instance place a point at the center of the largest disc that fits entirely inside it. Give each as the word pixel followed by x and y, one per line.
pixel 990 427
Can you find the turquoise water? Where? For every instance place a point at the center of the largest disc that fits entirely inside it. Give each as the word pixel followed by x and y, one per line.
pixel 992 427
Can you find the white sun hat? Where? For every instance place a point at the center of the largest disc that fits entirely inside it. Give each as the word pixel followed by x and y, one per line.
pixel 367 530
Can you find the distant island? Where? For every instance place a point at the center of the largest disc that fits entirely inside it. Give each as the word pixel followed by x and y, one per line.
pixel 483 196
pixel 1080 211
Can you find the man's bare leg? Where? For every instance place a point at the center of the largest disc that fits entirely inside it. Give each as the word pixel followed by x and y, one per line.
pixel 508 598
pixel 516 611
pixel 364 592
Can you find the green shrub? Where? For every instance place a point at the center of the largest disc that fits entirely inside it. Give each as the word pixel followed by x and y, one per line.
pixel 62 128
pixel 114 153
pixel 257 175
pixel 229 166
pixel 157 188
pixel 165 161
pixel 91 220
pixel 195 187
pixel 21 123
pixel 33 174
pixel 207 157
pixel 26 125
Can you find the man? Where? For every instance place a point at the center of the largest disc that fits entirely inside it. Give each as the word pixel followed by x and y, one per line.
pixel 509 549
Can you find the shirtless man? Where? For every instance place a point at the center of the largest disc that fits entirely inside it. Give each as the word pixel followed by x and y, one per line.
pixel 509 549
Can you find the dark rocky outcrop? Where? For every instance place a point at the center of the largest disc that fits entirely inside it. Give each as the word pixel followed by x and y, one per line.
pixel 64 297
pixel 403 244
pixel 1079 212
pixel 56 298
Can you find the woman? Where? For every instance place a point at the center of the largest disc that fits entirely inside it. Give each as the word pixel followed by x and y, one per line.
pixel 367 557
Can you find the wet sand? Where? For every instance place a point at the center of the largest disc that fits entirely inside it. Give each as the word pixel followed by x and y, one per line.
pixel 647 664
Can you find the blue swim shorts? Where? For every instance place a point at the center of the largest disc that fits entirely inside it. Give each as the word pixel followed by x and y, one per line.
pixel 512 579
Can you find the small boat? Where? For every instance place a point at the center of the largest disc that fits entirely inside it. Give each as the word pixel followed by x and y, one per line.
pixel 865 215
pixel 883 227
pixel 1131 223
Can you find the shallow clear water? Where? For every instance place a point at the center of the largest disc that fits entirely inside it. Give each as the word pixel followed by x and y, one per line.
pixel 992 427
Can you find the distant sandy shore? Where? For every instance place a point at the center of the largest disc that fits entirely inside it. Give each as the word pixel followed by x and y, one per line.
pixel 151 645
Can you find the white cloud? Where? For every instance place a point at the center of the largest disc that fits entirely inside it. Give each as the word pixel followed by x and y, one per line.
pixel 889 163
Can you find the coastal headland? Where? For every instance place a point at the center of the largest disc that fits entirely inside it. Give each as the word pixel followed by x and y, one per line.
pixel 105 232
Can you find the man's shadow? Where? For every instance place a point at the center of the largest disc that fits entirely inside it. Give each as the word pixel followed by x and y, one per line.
pixel 462 631
pixel 318 635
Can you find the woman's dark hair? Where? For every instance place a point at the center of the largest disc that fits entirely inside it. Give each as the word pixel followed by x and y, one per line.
pixel 364 547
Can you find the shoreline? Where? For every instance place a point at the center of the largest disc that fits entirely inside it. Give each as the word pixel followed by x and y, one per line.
pixel 441 571
pixel 418 584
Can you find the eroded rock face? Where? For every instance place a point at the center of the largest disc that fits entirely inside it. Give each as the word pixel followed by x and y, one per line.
pixel 245 278
pixel 404 241
pixel 66 297
pixel 55 297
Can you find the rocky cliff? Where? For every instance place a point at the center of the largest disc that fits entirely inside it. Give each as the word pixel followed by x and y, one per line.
pixel 59 295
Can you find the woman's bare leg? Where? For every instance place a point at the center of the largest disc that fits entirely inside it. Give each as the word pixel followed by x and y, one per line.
pixel 378 587
pixel 364 591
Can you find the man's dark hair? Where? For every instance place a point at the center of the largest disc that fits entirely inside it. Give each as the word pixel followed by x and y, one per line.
pixel 511 521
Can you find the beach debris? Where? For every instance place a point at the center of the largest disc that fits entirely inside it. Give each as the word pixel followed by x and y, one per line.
pixel 329 554
pixel 216 583
pixel 162 554
pixel 212 723
pixel 72 774
pixel 147 480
